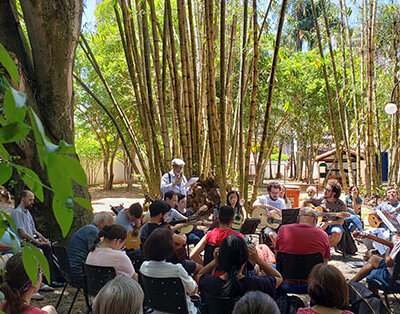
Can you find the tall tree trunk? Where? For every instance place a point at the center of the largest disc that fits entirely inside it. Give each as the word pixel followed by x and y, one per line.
pixel 269 99
pixel 343 125
pixel 329 99
pixel 222 98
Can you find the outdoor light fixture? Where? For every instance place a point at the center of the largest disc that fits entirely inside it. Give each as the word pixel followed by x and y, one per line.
pixel 391 107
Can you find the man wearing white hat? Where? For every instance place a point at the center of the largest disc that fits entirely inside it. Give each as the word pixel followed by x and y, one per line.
pixel 174 180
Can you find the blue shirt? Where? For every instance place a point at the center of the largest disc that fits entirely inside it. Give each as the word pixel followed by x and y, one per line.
pixel 124 221
pixel 8 237
pixel 78 248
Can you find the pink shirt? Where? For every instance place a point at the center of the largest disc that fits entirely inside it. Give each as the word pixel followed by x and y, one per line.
pixel 103 256
pixel 28 310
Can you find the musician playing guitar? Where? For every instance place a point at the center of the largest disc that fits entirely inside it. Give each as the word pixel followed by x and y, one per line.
pixel 331 203
pixel 380 268
pixel 273 204
pixel 391 207
pixel 158 211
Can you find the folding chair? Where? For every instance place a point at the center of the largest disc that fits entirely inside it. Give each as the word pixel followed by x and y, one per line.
pixel 393 288
pixel 163 294
pixel 217 305
pixel 295 269
pixel 95 278
pixel 61 260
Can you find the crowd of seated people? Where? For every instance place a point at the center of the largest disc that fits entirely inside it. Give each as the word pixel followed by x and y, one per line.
pixel 236 269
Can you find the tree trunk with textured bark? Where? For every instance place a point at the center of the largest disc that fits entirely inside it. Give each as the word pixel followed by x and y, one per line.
pixel 47 65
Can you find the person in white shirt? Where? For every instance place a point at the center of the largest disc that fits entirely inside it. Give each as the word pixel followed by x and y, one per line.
pixel 273 204
pixel 175 180
pixel 158 247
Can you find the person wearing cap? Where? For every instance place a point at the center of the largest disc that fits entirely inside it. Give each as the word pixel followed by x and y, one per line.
pixel 175 180
pixel 303 237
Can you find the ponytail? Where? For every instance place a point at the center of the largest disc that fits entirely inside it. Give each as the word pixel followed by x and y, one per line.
pixel 13 304
pixel 109 232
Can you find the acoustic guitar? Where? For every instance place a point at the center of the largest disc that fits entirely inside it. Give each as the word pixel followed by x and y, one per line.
pixel 362 235
pixel 375 221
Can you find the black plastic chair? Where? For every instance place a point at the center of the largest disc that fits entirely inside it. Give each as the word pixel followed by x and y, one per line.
pixel 295 268
pixel 209 253
pixel 95 278
pixel 61 260
pixel 393 288
pixel 163 294
pixel 217 305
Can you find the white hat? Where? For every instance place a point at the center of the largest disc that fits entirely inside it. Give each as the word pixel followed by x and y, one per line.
pixel 178 162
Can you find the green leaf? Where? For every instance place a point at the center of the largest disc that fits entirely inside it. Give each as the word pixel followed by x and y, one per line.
pixel 66 148
pixel 32 180
pixel 4 154
pixel 14 112
pixel 58 175
pixel 31 257
pixel 9 64
pixel 63 212
pixel 30 263
pixel 84 202
pixel 75 170
pixel 5 172
pixel 9 220
pixel 14 132
pixel 38 130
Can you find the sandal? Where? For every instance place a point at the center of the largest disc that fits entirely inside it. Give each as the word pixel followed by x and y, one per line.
pixel 46 288
pixel 37 297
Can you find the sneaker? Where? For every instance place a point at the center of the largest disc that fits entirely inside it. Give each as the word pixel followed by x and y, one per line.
pixel 46 288
pixel 56 284
pixel 37 297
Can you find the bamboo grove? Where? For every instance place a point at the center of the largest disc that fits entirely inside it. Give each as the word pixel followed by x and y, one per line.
pixel 221 84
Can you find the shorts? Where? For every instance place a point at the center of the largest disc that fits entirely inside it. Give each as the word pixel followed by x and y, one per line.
pixel 188 265
pixel 334 228
pixel 381 274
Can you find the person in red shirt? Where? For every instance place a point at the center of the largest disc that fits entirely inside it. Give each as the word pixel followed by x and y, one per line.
pixel 216 235
pixel 303 237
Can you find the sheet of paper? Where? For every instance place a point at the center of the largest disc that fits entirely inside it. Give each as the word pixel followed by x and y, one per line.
pixel 191 181
pixel 389 223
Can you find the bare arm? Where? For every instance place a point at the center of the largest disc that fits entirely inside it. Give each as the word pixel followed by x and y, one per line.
pixel 268 270
pixel 210 267
pixel 179 239
pixel 195 253
pixel 135 277
pixel 26 236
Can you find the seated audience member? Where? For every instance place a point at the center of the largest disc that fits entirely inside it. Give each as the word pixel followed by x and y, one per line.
pixel 158 210
pixel 283 195
pixel 6 248
pixel 303 237
pixel 311 192
pixel 195 235
pixel 328 291
pixel 231 259
pixel 173 215
pixel 130 217
pixel 256 302
pixel 216 235
pixel 18 289
pixel 380 268
pixel 120 295
pixel 354 201
pixel 109 253
pixel 26 230
pixel 158 247
pixel 81 241
pixel 233 200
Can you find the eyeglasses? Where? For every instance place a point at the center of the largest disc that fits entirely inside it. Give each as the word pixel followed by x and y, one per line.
pixel 328 190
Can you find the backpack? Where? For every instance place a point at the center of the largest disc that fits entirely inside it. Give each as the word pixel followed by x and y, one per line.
pixel 289 304
pixel 346 243
pixel 362 300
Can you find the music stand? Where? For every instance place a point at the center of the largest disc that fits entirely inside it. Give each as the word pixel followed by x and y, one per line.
pixel 249 226
pixel 289 216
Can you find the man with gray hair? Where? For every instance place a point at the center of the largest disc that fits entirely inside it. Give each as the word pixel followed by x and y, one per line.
pixel 175 180
pixel 78 247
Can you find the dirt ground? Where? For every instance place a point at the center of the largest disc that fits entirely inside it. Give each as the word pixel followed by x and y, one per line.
pixel 102 200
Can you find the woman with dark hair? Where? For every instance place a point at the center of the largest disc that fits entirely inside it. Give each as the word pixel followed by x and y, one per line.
pixel 328 290
pixel 231 258
pixel 233 200
pixel 353 203
pixel 283 195
pixel 18 289
pixel 158 247
pixel 256 302
pixel 109 253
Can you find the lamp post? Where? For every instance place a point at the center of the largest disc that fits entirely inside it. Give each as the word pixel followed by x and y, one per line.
pixel 391 107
